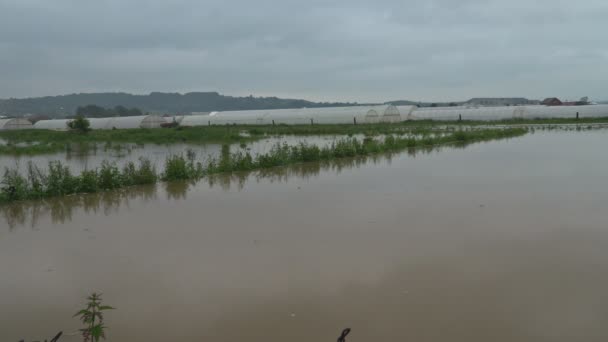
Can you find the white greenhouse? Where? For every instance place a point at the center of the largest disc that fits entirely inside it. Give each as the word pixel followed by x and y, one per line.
pixel 17 123
pixel 470 114
pixel 542 112
pixel 55 125
pixel 195 120
pixel 125 122
pixel 442 114
pixel 327 115
pixel 247 117
pixel 373 115
pixel 100 123
pixel 385 113
pixel 130 122
pixel 595 111
pixel 406 112
pixel 512 112
pixel 391 114
pixel 337 115
pixel 297 116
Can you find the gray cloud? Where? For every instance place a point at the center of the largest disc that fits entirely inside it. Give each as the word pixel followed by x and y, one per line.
pixel 338 50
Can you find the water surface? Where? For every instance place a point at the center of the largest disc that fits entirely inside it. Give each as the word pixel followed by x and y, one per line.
pixel 501 241
pixel 79 158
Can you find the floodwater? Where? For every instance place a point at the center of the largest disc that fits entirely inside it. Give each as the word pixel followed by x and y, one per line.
pixel 501 241
pixel 90 158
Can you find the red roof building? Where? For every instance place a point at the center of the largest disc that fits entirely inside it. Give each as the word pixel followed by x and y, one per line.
pixel 552 101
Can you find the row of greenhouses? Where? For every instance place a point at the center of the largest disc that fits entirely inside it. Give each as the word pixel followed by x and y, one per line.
pixel 390 114
pixel 303 116
pixel 509 113
pixel 328 115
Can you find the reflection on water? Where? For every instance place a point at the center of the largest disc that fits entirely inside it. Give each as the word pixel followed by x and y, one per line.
pixel 60 209
pixel 90 156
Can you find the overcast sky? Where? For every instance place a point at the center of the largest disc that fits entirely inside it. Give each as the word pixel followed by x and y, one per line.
pixel 320 50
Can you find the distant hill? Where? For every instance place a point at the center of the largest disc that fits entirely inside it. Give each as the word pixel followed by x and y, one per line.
pixel 156 102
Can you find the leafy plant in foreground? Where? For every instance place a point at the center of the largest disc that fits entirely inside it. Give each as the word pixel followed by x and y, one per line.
pixel 92 318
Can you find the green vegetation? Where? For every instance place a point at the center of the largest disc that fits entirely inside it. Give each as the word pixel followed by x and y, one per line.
pixel 32 148
pixel 283 154
pixel 80 124
pixel 92 317
pixel 179 168
pixel 60 181
pixel 45 141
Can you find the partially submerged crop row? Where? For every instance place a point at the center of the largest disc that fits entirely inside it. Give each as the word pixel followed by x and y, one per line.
pixel 59 180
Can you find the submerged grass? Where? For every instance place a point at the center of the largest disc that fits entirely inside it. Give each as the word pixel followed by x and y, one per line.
pixel 47 141
pixel 59 180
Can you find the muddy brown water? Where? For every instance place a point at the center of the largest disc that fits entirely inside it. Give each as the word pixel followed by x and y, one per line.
pixel 78 159
pixel 501 241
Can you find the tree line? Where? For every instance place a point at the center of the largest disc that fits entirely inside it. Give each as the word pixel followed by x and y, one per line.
pixel 94 111
pixel 156 102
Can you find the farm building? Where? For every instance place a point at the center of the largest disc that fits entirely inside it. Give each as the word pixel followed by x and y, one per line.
pixel 17 123
pixel 551 101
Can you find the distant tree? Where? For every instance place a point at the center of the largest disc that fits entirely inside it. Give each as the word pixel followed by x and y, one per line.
pixel 134 112
pixel 80 124
pixel 91 111
pixel 121 111
pixel 433 105
pixel 83 104
pixel 452 104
